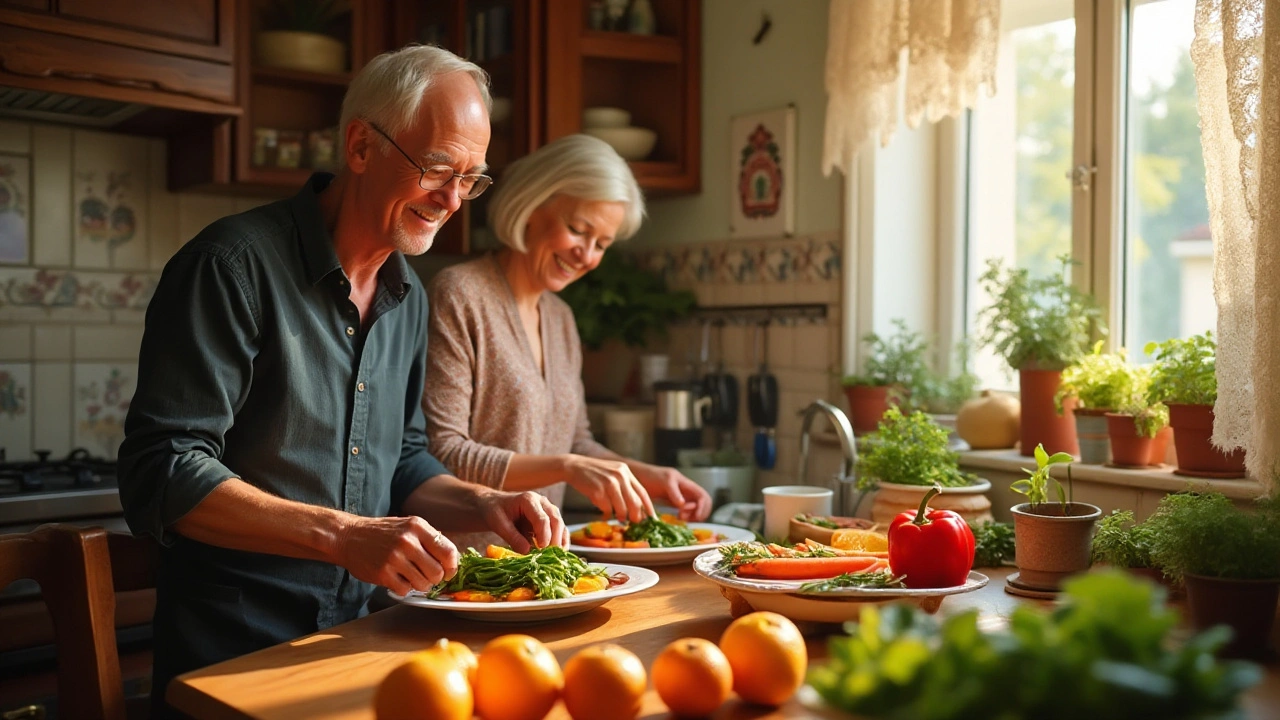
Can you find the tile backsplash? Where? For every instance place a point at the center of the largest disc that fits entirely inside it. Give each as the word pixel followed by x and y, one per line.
pixel 86 225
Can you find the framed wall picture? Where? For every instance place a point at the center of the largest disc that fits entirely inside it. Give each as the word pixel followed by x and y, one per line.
pixel 762 183
pixel 15 209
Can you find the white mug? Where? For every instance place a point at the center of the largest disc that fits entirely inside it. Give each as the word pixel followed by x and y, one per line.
pixel 783 502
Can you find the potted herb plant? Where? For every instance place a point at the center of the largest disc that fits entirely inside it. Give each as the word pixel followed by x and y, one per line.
pixel 1228 559
pixel 619 307
pixel 1052 538
pixel 1123 543
pixel 1184 379
pixel 1139 435
pixel 942 395
pixel 905 458
pixel 1100 383
pixel 299 35
pixel 894 368
pixel 1039 326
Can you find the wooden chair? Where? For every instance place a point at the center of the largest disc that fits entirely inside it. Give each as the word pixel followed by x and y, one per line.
pixel 79 571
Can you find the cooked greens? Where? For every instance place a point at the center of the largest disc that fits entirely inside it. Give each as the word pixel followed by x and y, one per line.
pixel 659 533
pixel 550 571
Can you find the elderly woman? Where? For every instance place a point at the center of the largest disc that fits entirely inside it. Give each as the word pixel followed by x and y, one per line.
pixel 504 399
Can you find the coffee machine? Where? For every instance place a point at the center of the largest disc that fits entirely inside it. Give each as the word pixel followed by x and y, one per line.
pixel 678 418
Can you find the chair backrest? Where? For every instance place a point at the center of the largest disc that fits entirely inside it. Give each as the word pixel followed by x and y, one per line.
pixel 79 570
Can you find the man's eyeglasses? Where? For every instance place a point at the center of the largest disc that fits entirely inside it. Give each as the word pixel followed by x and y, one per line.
pixel 437 176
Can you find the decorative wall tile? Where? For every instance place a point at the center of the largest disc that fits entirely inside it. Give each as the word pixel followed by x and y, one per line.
pixel 15 409
pixel 52 342
pixel 111 187
pixel 51 221
pixel 15 342
pixel 102 395
pixel 15 209
pixel 15 137
pixel 52 404
pixel 53 289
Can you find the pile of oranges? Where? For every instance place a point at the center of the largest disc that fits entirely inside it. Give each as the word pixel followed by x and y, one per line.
pixel 761 656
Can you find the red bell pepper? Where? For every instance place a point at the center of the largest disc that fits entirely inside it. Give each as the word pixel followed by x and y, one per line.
pixel 932 548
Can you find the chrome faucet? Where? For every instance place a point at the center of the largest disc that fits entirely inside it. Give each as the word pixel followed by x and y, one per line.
pixel 846 478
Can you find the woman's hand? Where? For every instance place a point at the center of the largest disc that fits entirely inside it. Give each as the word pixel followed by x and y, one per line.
pixel 691 501
pixel 611 486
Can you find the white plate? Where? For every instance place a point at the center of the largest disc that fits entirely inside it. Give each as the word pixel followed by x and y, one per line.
pixel 536 610
pixel 656 557
pixel 839 605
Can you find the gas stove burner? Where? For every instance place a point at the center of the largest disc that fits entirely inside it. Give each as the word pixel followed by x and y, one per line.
pixel 79 469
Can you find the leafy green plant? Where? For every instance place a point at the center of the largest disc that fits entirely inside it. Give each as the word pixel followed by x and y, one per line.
pixel 1039 323
pixel 910 450
pixel 1149 419
pixel 315 16
pixel 1106 652
pixel 1121 542
pixel 1102 381
pixel 1036 484
pixel 1184 371
pixel 993 543
pixel 1207 534
pixel 946 393
pixel 622 300
pixel 896 360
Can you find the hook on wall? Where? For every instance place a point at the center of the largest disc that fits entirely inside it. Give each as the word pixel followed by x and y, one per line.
pixel 766 23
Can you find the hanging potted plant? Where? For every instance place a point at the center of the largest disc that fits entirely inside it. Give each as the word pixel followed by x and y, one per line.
pixel 1052 538
pixel 299 35
pixel 894 368
pixel 1100 383
pixel 620 307
pixel 1139 434
pixel 1228 559
pixel 905 458
pixel 1039 326
pixel 1184 378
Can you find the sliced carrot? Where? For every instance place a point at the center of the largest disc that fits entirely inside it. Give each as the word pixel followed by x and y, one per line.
pixel 520 594
pixel 635 543
pixel 703 534
pixel 600 530
pixel 473 596
pixel 589 583
pixel 806 568
pixel 590 542
pixel 578 536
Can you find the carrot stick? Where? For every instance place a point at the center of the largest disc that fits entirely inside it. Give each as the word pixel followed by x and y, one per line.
pixel 807 568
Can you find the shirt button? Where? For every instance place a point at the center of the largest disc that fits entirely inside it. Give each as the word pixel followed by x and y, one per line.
pixel 350 331
pixel 355 451
pixel 360 387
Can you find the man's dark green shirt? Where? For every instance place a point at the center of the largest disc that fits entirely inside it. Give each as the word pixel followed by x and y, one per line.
pixel 254 366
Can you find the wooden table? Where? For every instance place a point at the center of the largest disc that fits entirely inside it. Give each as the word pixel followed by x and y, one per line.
pixel 333 674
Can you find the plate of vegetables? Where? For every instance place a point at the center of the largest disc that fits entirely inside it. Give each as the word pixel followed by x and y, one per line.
pixel 548 583
pixel 812 581
pixel 655 541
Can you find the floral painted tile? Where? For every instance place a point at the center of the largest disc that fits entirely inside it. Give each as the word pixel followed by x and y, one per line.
pixel 55 289
pixel 15 209
pixel 15 410
pixel 110 200
pixel 102 395
pixel 777 263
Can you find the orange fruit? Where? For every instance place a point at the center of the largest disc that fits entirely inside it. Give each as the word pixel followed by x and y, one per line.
pixel 860 540
pixel 459 653
pixel 604 682
pixel 517 678
pixel 428 684
pixel 768 657
pixel 692 676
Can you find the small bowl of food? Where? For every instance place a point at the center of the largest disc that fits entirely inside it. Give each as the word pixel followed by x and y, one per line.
pixel 632 143
pixel 822 528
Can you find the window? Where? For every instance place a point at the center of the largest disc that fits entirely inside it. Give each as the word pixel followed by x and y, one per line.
pixel 1091 147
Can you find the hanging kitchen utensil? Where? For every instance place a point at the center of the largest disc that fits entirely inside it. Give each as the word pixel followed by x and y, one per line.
pixel 710 410
pixel 723 389
pixel 762 402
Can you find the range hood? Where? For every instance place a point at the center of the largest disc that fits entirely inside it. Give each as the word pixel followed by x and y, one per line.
pixel 44 106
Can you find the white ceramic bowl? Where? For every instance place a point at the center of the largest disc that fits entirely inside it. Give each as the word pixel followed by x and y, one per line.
pixel 632 143
pixel 605 117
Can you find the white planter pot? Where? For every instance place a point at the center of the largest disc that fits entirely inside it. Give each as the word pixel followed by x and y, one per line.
pixel 300 51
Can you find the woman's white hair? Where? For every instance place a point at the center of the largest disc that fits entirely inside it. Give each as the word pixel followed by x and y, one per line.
pixel 580 166
pixel 388 91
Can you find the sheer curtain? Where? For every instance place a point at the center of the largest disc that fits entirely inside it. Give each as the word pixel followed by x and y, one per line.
pixel 951 53
pixel 1236 53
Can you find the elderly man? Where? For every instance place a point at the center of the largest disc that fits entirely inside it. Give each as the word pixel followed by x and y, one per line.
pixel 275 445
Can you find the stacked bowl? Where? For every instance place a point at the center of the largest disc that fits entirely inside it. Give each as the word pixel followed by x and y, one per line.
pixel 613 125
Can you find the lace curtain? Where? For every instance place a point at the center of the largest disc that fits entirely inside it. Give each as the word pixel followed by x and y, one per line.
pixel 951 48
pixel 1236 53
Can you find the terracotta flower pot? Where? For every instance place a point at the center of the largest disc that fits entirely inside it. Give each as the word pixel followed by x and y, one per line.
pixel 1129 448
pixel 1091 433
pixel 970 502
pixel 1051 546
pixel 1160 446
pixel 867 405
pixel 1197 457
pixel 1041 423
pixel 1248 607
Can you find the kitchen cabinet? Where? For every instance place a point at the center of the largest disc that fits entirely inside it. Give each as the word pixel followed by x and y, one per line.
pixel 175 54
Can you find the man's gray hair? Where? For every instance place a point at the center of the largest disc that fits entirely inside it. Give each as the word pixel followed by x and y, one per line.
pixel 388 91
pixel 580 166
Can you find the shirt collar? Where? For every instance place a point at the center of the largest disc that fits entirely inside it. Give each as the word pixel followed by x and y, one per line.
pixel 317 244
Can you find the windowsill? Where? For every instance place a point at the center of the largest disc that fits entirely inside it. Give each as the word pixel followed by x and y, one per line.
pixel 1161 479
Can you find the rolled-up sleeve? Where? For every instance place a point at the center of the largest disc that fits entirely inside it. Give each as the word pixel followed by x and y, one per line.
pixel 449 393
pixel 194 370
pixel 417 463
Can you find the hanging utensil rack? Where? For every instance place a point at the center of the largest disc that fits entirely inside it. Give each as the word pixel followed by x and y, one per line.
pixel 751 314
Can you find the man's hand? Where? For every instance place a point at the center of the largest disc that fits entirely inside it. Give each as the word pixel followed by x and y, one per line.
pixel 399 553
pixel 514 515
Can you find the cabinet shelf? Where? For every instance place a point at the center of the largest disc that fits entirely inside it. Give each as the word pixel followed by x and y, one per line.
pixel 627 46
pixel 285 76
